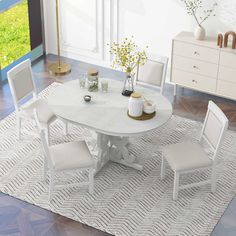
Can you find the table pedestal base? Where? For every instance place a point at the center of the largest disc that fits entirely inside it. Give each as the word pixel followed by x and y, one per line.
pixel 115 149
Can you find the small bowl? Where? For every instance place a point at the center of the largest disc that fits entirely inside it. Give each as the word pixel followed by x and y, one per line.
pixel 87 98
pixel 149 107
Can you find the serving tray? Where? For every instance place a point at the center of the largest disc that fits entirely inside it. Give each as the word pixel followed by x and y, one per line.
pixel 144 116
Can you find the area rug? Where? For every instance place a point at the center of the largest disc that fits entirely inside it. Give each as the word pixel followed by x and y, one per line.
pixel 126 202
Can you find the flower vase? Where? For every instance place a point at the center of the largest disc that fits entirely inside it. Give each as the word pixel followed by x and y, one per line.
pixel 128 88
pixel 200 33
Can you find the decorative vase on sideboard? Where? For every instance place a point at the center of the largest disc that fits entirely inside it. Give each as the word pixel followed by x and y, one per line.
pixel 200 33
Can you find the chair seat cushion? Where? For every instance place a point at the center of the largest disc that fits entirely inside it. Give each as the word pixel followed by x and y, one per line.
pixel 72 155
pixel 45 114
pixel 186 156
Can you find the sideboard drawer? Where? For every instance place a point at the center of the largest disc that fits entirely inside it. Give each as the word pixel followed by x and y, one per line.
pixel 194 81
pixel 227 74
pixel 226 89
pixel 203 66
pixel 196 52
pixel 195 66
pixel 228 59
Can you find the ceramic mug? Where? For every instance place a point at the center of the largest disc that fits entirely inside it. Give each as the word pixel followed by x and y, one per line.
pixel 149 107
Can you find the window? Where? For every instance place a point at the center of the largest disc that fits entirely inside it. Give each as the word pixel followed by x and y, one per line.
pixel 17 28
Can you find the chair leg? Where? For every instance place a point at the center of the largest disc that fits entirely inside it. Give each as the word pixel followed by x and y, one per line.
pixel 213 180
pixel 45 165
pixel 163 167
pixel 19 127
pixel 48 134
pixel 91 181
pixel 51 185
pixel 175 89
pixel 176 186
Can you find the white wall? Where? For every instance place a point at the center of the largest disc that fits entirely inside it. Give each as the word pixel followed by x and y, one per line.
pixel 156 22
pixel 88 25
pixel 86 28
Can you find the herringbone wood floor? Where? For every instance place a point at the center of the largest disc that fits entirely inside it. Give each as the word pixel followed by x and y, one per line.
pixel 18 218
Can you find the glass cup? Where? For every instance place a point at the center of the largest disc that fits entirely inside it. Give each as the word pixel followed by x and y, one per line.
pixel 82 81
pixel 104 86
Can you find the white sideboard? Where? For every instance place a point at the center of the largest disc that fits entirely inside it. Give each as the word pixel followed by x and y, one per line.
pixel 203 66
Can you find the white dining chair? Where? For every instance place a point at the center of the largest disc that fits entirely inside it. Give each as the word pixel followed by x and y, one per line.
pixel 189 157
pixel 153 73
pixel 71 156
pixel 22 85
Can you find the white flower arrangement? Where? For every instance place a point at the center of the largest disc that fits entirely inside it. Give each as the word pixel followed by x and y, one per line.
pixel 192 7
pixel 127 56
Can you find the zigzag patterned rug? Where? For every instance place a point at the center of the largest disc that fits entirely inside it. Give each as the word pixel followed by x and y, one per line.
pixel 126 202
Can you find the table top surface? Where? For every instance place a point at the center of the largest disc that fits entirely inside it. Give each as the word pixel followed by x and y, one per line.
pixel 107 112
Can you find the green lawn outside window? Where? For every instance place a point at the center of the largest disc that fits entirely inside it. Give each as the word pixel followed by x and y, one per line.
pixel 14 34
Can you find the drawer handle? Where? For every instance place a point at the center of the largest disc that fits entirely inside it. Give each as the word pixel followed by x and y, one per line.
pixel 195 67
pixel 194 81
pixel 196 53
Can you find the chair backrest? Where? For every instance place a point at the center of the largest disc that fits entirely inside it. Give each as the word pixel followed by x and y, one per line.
pixel 43 139
pixel 21 82
pixel 214 127
pixel 153 73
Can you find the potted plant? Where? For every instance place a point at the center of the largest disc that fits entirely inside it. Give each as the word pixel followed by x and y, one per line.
pixel 127 57
pixel 192 7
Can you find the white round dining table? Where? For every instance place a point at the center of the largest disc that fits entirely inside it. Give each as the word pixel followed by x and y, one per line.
pixel 106 114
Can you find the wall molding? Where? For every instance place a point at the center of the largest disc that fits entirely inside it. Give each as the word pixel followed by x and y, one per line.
pixel 97 51
pixel 106 27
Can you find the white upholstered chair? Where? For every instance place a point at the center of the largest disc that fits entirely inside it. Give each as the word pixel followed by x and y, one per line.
pixel 153 73
pixel 72 156
pixel 22 85
pixel 189 157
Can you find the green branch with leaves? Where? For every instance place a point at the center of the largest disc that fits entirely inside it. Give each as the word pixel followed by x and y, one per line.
pixel 193 6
